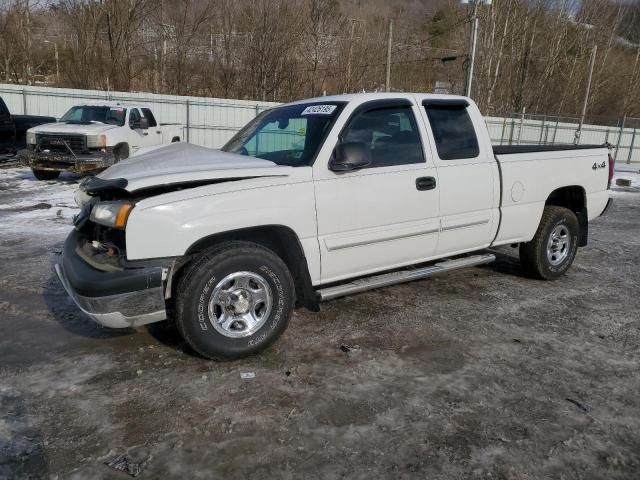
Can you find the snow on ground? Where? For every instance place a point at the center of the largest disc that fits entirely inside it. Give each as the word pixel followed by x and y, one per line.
pixel 39 207
pixel 629 172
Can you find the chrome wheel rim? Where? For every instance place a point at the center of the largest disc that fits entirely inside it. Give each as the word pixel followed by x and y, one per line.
pixel 559 245
pixel 240 304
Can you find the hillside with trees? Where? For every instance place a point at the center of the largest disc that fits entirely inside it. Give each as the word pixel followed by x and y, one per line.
pixel 532 54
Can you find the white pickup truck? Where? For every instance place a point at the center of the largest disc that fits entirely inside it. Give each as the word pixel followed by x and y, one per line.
pixel 317 199
pixel 90 138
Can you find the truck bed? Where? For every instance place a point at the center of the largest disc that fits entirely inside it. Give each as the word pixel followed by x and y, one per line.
pixel 530 173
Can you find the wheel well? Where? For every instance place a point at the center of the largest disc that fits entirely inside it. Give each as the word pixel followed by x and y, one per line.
pixel 575 199
pixel 175 139
pixel 120 146
pixel 279 239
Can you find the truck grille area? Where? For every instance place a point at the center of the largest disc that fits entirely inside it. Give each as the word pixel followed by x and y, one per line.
pixel 58 143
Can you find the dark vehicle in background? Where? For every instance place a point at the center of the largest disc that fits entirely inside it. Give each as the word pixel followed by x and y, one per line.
pixel 13 128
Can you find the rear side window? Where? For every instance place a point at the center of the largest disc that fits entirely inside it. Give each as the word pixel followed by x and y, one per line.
pixel 453 131
pixel 390 134
pixel 149 116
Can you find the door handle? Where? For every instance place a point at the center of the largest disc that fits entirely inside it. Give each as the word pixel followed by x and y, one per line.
pixel 425 183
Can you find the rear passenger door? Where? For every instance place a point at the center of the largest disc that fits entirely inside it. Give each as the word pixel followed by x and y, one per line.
pixel 467 172
pixel 386 214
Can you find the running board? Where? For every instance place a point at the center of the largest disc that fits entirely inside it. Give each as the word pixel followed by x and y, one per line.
pixel 393 278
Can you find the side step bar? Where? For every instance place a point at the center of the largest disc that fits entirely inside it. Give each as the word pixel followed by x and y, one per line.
pixel 393 278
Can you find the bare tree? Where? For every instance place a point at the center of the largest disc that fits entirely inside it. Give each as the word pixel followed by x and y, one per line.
pixel 532 54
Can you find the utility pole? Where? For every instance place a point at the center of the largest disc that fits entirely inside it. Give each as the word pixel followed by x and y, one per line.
pixel 389 40
pixel 349 59
pixel 473 40
pixel 586 95
pixel 27 14
pixel 55 50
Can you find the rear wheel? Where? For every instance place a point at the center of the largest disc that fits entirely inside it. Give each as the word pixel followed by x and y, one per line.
pixel 234 301
pixel 553 248
pixel 45 174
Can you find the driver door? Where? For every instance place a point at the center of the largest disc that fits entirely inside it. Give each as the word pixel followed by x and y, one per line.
pixel 384 215
pixel 139 136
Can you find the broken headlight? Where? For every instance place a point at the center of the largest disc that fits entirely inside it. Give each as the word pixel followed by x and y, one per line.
pixel 96 141
pixel 111 214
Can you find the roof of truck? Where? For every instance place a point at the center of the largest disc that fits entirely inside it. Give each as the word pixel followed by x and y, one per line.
pixel 111 104
pixel 362 97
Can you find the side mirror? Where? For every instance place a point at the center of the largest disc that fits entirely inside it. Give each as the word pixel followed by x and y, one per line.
pixel 144 123
pixel 350 156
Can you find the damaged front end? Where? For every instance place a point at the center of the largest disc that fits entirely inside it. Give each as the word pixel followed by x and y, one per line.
pixel 95 272
pixel 67 152
pixel 81 163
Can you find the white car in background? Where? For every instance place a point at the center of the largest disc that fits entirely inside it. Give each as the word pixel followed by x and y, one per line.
pixel 89 138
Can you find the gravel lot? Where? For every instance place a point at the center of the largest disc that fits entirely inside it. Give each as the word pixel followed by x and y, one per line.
pixel 476 374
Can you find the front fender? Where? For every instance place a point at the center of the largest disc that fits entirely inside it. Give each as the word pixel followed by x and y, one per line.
pixel 156 229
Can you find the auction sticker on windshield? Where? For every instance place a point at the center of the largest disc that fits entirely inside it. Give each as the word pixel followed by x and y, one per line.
pixel 319 109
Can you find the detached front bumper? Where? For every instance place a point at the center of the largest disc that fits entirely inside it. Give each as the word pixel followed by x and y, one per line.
pixel 88 162
pixel 120 299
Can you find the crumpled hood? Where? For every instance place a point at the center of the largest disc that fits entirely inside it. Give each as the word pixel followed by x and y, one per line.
pixel 184 163
pixel 77 128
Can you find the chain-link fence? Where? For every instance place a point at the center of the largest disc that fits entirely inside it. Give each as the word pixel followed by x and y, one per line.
pixel 206 121
pixel 623 135
pixel 212 121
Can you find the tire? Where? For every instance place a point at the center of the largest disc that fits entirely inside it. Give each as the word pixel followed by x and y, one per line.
pixel 120 153
pixel 234 300
pixel 45 174
pixel 551 251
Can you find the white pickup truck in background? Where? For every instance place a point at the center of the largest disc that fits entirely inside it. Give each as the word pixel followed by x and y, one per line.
pixel 90 138
pixel 317 199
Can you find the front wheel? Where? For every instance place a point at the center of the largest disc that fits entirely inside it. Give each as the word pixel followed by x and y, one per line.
pixel 234 301
pixel 45 174
pixel 551 251
pixel 120 153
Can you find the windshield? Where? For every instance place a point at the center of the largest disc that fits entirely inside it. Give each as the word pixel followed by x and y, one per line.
pixel 286 135
pixel 88 114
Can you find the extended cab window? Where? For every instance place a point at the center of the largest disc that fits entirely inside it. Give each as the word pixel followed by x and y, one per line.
pixel 453 131
pixel 286 135
pixel 390 134
pixel 149 116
